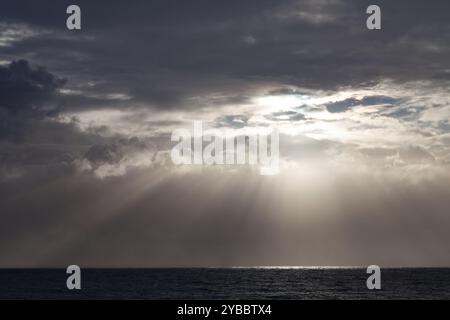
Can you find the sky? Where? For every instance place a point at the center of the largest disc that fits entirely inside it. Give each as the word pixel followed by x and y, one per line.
pixel 86 118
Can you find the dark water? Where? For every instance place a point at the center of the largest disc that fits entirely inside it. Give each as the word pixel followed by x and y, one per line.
pixel 254 283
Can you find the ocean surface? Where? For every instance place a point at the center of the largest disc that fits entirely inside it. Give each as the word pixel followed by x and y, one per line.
pixel 226 283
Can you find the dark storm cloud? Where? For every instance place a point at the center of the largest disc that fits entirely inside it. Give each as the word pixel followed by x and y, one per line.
pixel 29 137
pixel 24 88
pixel 29 101
pixel 170 51
pixel 28 97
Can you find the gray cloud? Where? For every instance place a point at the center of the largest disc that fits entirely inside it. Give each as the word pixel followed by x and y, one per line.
pixel 234 121
pixel 344 105
pixel 182 51
pixel 27 89
pixel 112 198
pixel 286 116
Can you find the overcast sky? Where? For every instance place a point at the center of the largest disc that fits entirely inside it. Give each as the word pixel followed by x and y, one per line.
pixel 86 116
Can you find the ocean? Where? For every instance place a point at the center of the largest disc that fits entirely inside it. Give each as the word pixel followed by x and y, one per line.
pixel 226 283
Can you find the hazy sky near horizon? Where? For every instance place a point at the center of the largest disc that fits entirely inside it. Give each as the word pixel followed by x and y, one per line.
pixel 86 116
